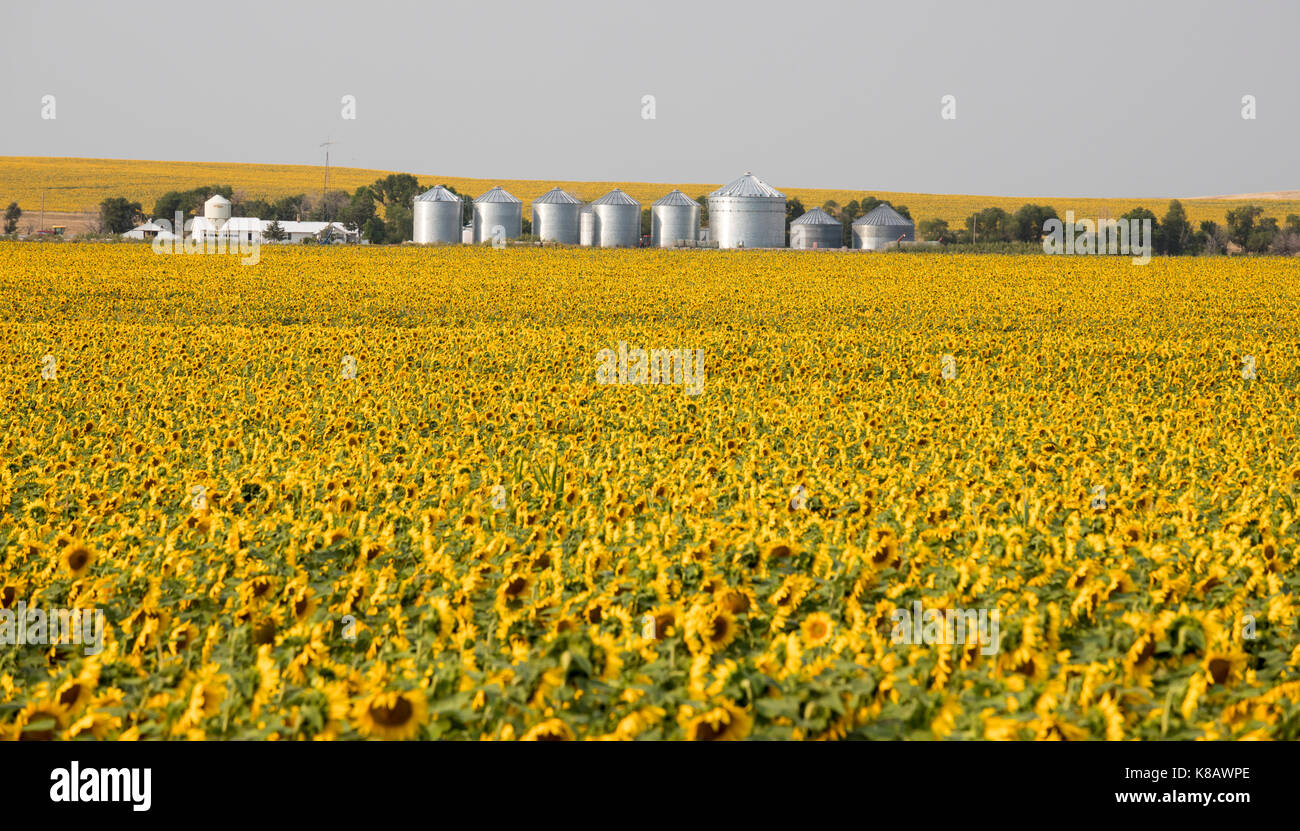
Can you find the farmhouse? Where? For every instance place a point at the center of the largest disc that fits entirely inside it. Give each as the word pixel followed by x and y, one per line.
pixel 217 224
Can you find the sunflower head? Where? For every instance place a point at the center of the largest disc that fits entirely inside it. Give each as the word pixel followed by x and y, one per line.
pixel 551 730
pixel 817 629
pixel 391 715
pixel 77 558
pixel 723 723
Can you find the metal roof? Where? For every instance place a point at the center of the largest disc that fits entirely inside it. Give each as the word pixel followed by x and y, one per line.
pixel 555 196
pixel 884 215
pixel 437 193
pixel 677 198
pixel 816 216
pixel 497 194
pixel 616 197
pixel 749 185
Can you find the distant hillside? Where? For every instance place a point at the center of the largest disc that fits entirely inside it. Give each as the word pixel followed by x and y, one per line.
pixel 72 185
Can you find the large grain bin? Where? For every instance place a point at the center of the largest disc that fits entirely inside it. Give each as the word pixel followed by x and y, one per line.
pixel 587 232
pixel 881 228
pixel 437 216
pixel 748 213
pixel 555 217
pixel 618 220
pixel 674 220
pixel 497 207
pixel 816 229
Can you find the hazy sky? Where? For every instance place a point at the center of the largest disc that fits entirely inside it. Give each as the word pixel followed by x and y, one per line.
pixel 1053 98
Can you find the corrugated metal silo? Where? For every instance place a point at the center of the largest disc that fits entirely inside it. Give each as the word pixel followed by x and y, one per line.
pixel 816 229
pixel 882 227
pixel 497 207
pixel 674 219
pixel 555 217
pixel 587 226
pixel 217 208
pixel 437 216
pixel 748 213
pixel 618 220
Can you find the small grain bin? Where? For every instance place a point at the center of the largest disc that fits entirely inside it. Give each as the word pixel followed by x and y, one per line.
pixel 816 229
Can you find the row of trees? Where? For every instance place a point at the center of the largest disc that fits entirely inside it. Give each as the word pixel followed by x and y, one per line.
pixel 1243 229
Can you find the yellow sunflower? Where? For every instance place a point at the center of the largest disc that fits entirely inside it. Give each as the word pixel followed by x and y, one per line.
pixel 551 730
pixel 817 629
pixel 392 716
pixel 77 557
pixel 723 723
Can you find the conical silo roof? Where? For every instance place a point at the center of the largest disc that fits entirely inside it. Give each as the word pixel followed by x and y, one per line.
pixel 556 196
pixel 884 215
pixel 616 197
pixel 816 216
pixel 749 185
pixel 438 193
pixel 676 198
pixel 497 194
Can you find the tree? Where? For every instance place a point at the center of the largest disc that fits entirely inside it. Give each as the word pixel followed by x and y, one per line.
pixel 1176 235
pixel 119 215
pixel 375 231
pixel 396 189
pixel 793 210
pixel 1262 237
pixel 12 214
pixel 1241 222
pixel 934 229
pixel 330 207
pixel 989 225
pixel 288 208
pixel 1214 238
pixel 1027 222
pixel 704 210
pixel 1139 214
pixel 360 208
pixel 274 232
pixel 252 207
pixel 399 222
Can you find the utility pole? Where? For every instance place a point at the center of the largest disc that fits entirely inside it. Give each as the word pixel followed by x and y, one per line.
pixel 326 144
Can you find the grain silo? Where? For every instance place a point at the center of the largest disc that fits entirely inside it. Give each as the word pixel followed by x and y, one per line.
pixel 437 216
pixel 881 228
pixel 497 207
pixel 816 229
pixel 675 219
pixel 217 209
pixel 618 220
pixel 587 225
pixel 555 217
pixel 748 213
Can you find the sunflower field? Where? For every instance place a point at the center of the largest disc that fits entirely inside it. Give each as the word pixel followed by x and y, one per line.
pixel 356 492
